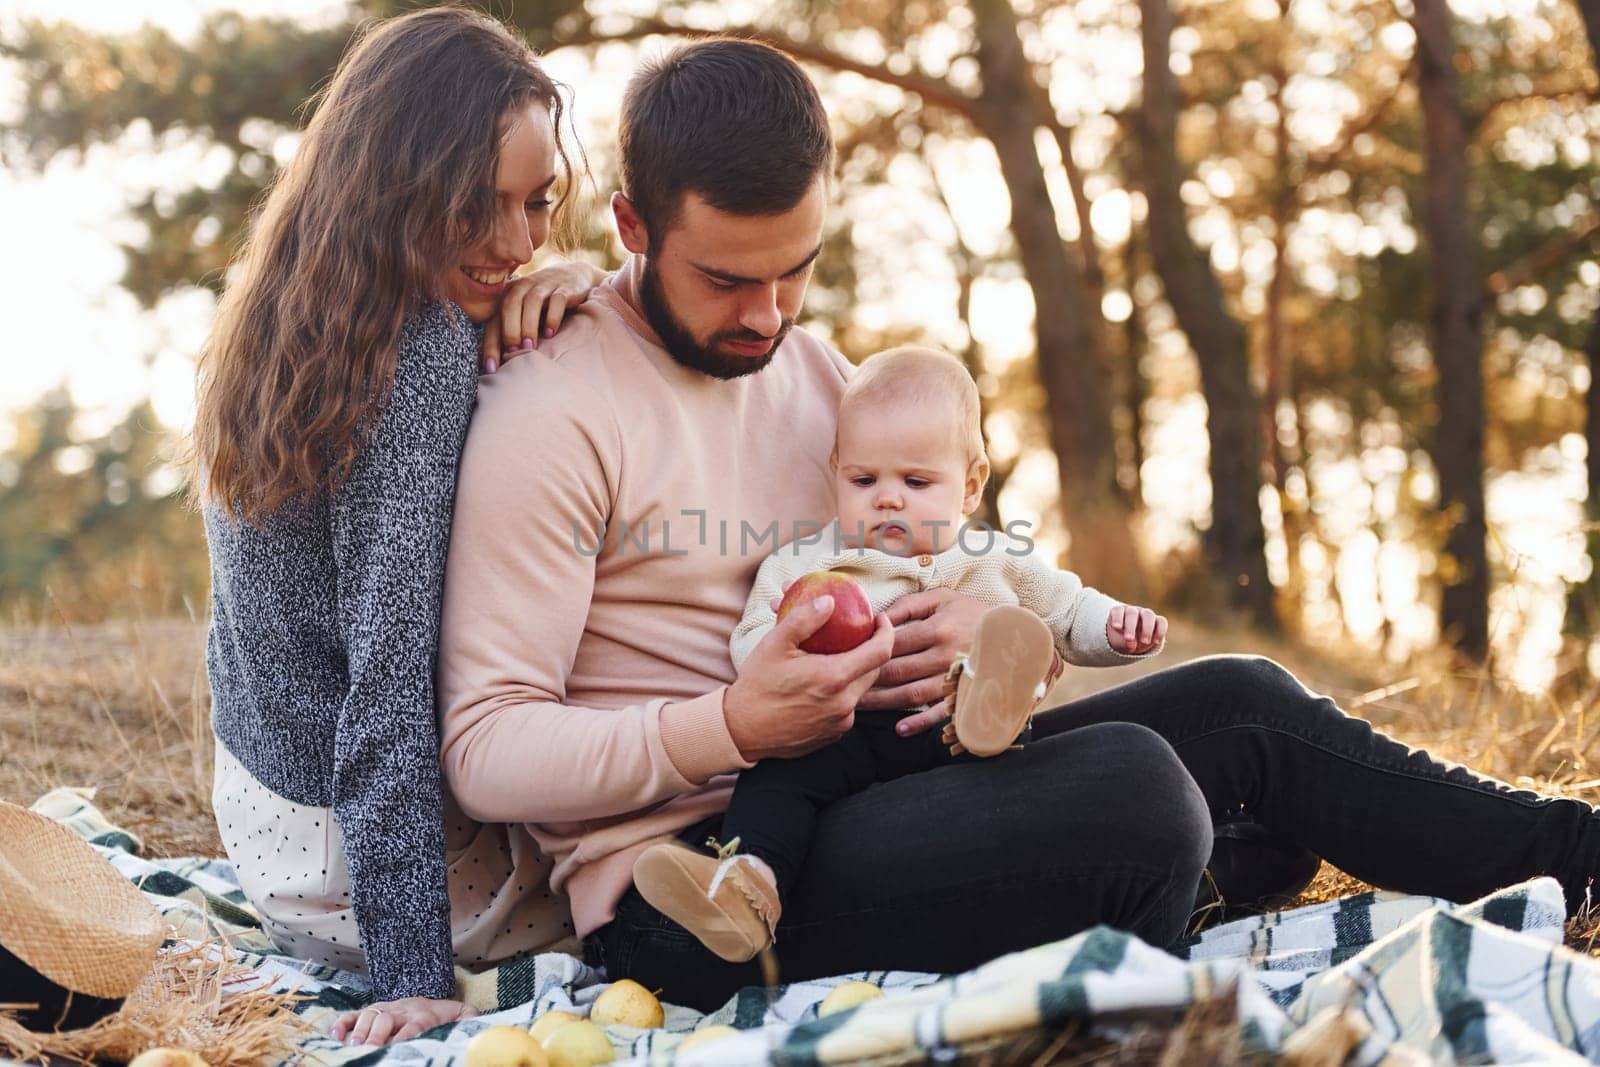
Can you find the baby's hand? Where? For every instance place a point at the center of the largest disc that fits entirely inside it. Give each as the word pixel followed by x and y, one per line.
pixel 1135 631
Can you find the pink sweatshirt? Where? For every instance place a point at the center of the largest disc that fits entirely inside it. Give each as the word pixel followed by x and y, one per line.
pixel 581 677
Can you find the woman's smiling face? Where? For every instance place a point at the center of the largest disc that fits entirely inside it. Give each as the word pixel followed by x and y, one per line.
pixel 521 222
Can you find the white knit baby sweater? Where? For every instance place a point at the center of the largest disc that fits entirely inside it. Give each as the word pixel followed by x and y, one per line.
pixel 1006 570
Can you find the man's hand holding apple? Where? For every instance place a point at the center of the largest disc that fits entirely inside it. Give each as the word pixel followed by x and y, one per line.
pixel 932 628
pixel 786 701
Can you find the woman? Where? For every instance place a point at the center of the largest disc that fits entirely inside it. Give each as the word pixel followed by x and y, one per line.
pixel 334 395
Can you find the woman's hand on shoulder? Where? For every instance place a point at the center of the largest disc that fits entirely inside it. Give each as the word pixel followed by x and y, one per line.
pixel 397 1020
pixel 534 307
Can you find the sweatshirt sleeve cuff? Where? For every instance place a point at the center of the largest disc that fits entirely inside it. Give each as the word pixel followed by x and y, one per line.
pixel 1087 645
pixel 695 735
pixel 399 969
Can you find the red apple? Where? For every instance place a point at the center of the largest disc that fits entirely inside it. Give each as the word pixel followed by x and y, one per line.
pixel 851 622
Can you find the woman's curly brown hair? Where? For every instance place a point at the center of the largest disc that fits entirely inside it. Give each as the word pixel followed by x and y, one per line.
pixel 393 179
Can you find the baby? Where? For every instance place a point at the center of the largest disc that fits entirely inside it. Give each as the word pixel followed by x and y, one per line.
pixel 909 467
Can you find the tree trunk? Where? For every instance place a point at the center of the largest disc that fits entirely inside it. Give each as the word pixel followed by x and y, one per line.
pixel 1590 10
pixel 989 510
pixel 1591 437
pixel 968 263
pixel 1133 383
pixel 1077 394
pixel 1279 369
pixel 1583 599
pixel 1093 275
pixel 1277 361
pixel 1120 375
pixel 1236 543
pixel 1457 340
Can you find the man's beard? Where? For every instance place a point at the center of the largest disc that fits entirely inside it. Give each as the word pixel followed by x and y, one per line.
pixel 681 345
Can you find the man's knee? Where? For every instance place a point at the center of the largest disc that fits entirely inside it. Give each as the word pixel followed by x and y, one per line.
pixel 1248 672
pixel 1153 833
pixel 1265 686
pixel 1158 813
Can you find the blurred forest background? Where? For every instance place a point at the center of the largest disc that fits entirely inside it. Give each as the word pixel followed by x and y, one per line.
pixel 1284 311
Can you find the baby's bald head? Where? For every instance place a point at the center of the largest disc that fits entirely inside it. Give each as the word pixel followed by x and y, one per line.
pixel 924 379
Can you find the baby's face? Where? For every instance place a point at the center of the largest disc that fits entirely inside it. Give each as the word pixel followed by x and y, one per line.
pixel 902 465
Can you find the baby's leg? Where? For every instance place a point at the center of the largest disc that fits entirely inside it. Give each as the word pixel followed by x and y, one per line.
pixel 775 804
pixel 731 900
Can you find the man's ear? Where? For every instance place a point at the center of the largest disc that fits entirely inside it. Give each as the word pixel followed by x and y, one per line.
pixel 972 493
pixel 630 227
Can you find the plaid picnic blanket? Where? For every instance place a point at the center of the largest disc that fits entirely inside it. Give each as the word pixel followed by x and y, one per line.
pixel 1397 979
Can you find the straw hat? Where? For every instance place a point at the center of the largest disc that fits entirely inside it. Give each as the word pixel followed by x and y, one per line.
pixel 68 915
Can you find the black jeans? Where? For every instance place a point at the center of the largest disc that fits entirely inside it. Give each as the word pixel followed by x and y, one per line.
pixel 1106 817
pixel 776 804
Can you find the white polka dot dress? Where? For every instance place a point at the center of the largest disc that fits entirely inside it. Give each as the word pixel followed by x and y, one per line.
pixel 290 862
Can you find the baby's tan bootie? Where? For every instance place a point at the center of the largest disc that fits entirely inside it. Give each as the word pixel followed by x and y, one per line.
pixel 993 690
pixel 723 900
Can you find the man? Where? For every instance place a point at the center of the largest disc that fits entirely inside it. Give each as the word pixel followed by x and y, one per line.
pixel 617 495
pixel 618 492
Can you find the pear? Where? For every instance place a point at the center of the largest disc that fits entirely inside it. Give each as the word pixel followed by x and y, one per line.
pixel 627 1003
pixel 705 1037
pixel 547 1023
pixel 848 996
pixel 579 1044
pixel 505 1046
pixel 167 1057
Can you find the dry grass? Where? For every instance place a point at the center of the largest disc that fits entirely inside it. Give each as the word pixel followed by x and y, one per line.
pixel 124 707
pixel 197 998
pixel 121 707
pixel 1538 741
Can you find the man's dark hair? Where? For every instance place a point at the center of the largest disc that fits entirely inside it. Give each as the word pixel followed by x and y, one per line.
pixel 737 122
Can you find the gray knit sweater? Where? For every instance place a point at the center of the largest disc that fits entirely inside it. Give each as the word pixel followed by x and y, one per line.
pixel 325 624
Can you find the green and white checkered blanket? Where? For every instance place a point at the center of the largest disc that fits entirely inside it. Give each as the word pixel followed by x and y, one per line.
pixel 1425 981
